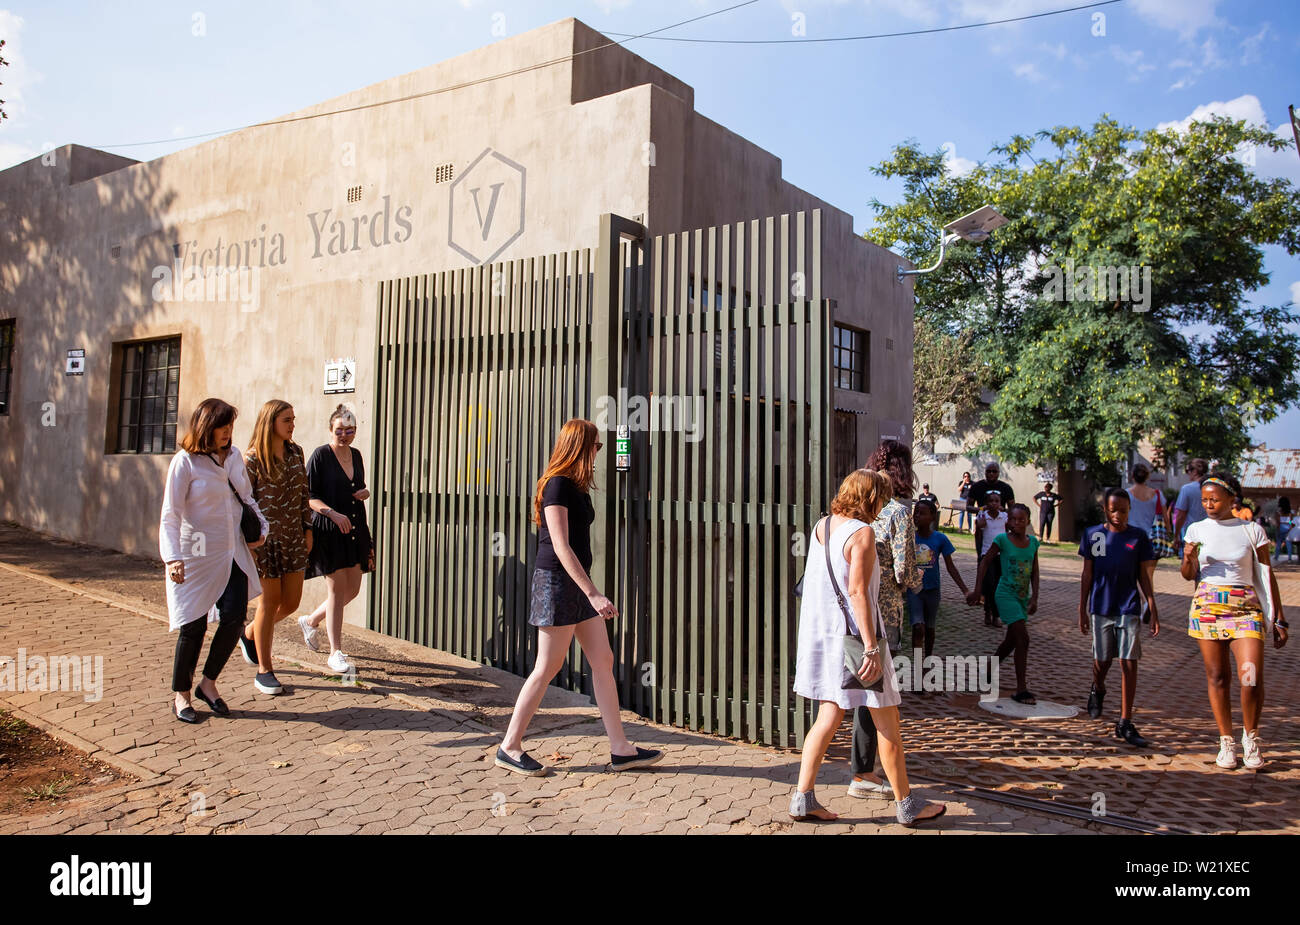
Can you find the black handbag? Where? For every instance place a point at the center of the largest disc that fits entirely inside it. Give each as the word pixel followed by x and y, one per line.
pixel 249 524
pixel 854 649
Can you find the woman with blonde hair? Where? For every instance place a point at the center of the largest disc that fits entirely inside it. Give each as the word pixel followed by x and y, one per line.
pixel 278 473
pixel 565 602
pixel 850 587
pixel 209 563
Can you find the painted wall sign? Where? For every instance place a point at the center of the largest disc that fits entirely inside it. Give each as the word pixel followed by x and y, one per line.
pixel 340 376
pixel 485 207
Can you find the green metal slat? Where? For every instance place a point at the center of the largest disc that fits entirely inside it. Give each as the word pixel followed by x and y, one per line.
pixel 708 609
pixel 778 557
pixel 751 516
pixel 684 637
pixel 737 447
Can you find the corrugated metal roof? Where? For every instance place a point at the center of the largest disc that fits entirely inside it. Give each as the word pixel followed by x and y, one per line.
pixel 1271 469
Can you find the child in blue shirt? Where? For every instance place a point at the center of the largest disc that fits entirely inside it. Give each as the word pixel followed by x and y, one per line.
pixel 1111 589
pixel 930 545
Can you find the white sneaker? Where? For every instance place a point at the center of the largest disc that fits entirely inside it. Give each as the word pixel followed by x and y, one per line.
pixel 310 635
pixel 1227 753
pixel 339 662
pixel 1250 755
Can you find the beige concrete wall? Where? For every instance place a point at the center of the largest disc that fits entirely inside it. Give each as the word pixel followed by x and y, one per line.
pixel 579 131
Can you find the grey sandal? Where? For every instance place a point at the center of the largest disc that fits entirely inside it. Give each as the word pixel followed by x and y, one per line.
pixel 802 805
pixel 909 809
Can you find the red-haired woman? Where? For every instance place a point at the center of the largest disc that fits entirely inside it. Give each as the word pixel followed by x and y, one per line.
pixel 209 564
pixel 565 603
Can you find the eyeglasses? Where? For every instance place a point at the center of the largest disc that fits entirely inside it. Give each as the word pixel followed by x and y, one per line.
pixel 344 433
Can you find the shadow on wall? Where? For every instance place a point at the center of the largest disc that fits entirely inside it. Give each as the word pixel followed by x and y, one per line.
pixel 81 232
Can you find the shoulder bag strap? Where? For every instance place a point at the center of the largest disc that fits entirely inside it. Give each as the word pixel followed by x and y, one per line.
pixel 839 595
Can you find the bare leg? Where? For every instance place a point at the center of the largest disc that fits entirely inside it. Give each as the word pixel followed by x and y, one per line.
pixel 1129 681
pixel 262 629
pixel 346 586
pixel 552 647
pixel 815 743
pixel 1218 680
pixel 594 640
pixel 892 758
pixel 1250 674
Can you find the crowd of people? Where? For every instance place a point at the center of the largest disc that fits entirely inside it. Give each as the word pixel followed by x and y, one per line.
pixel 242 526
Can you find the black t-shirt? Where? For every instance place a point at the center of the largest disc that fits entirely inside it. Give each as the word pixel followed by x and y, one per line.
pixel 564 491
pixel 326 481
pixel 1047 502
pixel 928 496
pixel 980 489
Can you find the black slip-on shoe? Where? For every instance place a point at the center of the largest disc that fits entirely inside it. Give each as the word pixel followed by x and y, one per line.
pixel 1126 731
pixel 1095 698
pixel 218 706
pixel 643 758
pixel 185 715
pixel 248 648
pixel 266 682
pixel 526 765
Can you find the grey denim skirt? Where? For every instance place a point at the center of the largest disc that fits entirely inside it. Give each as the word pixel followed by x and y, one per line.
pixel 557 600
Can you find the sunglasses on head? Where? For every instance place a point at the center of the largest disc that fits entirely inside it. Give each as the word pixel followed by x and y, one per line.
pixel 345 431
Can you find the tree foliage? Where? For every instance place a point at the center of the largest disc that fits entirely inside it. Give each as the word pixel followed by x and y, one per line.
pixel 1193 369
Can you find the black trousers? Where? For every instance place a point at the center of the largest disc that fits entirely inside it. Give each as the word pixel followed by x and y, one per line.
pixel 233 608
pixel 990 587
pixel 863 757
pixel 1045 522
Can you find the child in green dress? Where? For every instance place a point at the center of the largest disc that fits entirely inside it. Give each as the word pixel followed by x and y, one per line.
pixel 1016 595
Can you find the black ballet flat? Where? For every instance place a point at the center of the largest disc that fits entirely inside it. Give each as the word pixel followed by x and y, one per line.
pixel 186 715
pixel 218 706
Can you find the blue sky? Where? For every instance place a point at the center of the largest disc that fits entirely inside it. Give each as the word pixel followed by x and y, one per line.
pixel 112 74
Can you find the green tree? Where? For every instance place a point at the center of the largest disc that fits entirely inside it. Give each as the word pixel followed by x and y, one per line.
pixel 1193 367
pixel 945 381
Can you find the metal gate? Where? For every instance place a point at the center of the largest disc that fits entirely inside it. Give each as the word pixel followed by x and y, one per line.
pixel 713 347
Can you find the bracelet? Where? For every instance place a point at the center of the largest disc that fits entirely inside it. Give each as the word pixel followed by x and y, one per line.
pixel 875 650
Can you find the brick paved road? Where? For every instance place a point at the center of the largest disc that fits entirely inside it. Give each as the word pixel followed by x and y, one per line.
pixel 410 751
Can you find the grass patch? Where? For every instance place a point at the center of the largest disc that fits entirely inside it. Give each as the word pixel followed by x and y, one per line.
pixel 51 791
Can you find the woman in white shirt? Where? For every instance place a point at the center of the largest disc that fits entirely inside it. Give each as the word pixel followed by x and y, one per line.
pixel 210 568
pixel 1235 604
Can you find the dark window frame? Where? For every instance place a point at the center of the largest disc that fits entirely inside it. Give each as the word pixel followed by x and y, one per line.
pixel 149 386
pixel 8 335
pixel 851 358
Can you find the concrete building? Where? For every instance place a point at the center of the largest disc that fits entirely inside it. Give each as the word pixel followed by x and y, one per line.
pixel 108 339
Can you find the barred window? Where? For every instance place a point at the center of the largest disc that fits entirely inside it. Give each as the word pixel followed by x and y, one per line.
pixel 6 362
pixel 852 355
pixel 151 376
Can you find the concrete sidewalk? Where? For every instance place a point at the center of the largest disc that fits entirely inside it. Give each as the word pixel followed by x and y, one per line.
pixel 410 750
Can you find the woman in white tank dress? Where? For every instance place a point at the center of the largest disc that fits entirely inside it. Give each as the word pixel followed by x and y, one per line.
pixel 821 645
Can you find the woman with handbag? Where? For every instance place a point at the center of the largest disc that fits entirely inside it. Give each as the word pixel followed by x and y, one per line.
pixel 1235 605
pixel 342 549
pixel 278 473
pixel 843 660
pixel 1147 513
pixel 210 523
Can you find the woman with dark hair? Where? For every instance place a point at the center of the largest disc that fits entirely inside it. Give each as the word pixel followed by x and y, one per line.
pixel 210 567
pixel 963 492
pixel 342 549
pixel 895 536
pixel 565 603
pixel 278 474
pixel 1235 605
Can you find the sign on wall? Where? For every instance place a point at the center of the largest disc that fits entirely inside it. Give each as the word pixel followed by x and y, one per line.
pixel 76 363
pixel 340 375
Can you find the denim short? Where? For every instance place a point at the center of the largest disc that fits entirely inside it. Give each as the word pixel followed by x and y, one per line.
pixel 1117 637
pixel 924 606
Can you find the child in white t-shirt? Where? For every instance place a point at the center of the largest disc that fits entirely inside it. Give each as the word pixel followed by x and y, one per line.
pixel 989 525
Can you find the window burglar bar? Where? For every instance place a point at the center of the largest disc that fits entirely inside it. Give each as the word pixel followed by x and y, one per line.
pixel 151 375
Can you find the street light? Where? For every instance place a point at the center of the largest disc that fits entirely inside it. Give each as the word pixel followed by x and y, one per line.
pixel 975 227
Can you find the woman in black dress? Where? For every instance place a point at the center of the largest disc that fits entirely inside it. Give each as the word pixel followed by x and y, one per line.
pixel 565 603
pixel 342 549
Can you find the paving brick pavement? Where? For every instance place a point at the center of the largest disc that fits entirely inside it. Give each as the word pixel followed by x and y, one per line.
pixel 410 751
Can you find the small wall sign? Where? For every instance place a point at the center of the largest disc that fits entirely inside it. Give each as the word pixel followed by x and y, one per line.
pixel 340 375
pixel 622 448
pixel 76 363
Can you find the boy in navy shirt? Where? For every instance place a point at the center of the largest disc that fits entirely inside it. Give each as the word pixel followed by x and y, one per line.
pixel 930 545
pixel 1111 590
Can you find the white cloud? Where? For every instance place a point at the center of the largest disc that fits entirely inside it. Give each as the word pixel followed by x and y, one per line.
pixel 1186 17
pixel 1285 163
pixel 1295 292
pixel 1029 71
pixel 956 166
pixel 1133 62
pixel 1267 163
pixel 1246 107
pixel 1250 47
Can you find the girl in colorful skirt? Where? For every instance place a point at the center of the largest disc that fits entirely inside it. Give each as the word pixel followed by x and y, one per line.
pixel 1235 604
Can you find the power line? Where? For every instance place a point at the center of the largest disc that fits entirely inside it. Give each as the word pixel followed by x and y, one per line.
pixel 878 35
pixel 448 89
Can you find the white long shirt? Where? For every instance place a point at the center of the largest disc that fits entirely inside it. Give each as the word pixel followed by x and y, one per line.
pixel 200 527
